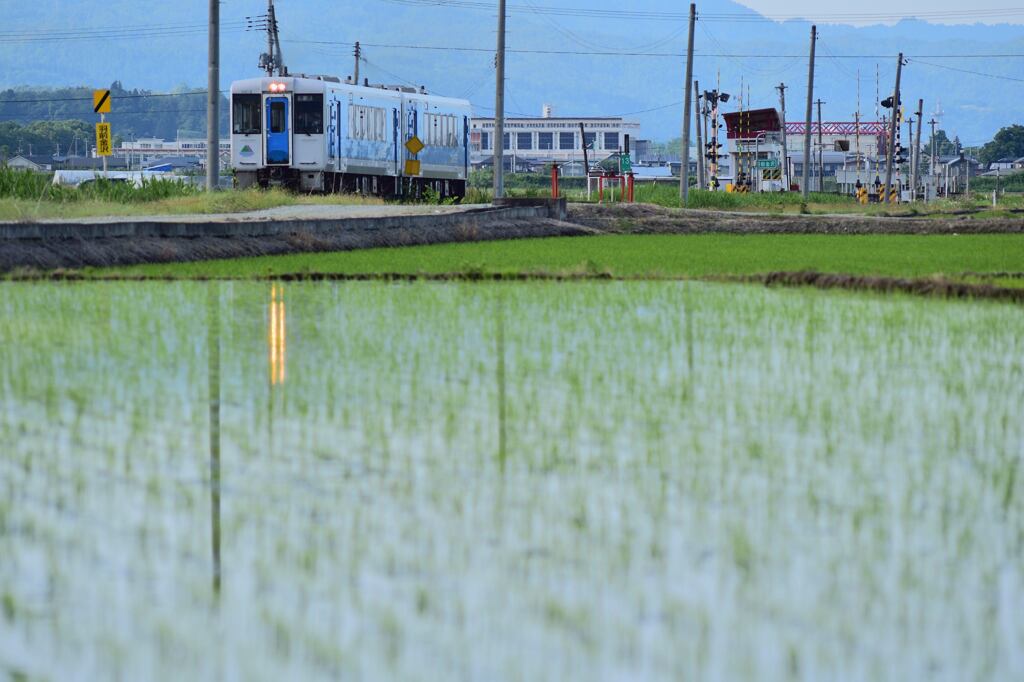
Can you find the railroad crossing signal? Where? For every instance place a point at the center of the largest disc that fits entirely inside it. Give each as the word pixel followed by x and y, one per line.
pixel 414 145
pixel 862 194
pixel 104 146
pixel 101 101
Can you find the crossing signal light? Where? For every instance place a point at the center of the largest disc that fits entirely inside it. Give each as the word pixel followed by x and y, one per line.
pixel 888 102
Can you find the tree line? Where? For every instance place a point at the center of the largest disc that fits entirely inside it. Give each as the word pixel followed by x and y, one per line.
pixel 48 120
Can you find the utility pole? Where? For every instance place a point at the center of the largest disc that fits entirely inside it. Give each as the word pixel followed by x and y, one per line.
pixel 213 102
pixel 700 136
pixel 916 167
pixel 358 53
pixel 821 152
pixel 273 59
pixel 785 147
pixel 810 100
pixel 684 171
pixel 892 131
pixel 499 108
pixel 933 123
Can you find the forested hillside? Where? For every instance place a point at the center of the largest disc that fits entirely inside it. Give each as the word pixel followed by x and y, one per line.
pixel 557 58
pixel 136 112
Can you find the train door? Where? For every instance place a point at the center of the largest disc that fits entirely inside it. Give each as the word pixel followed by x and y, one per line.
pixel 278 131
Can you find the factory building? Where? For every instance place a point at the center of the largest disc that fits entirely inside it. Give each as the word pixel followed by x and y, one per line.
pixel 541 140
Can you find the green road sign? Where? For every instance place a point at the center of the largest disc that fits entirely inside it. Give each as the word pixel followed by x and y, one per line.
pixel 767 163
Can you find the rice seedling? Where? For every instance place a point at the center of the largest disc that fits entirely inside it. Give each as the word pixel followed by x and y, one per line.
pixel 655 480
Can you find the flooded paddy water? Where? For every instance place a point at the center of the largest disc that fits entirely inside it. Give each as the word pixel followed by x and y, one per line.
pixel 600 481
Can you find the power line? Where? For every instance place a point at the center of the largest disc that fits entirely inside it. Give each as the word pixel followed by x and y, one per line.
pixel 751 16
pixel 112 34
pixel 916 60
pixel 118 97
pixel 64 114
pixel 668 55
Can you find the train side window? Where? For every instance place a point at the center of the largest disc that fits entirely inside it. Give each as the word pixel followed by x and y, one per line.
pixel 277 124
pixel 309 114
pixel 245 115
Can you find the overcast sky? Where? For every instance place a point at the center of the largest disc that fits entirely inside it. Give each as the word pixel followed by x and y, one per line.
pixel 966 13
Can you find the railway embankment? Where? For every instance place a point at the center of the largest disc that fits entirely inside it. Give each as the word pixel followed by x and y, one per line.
pixel 100 242
pixel 652 219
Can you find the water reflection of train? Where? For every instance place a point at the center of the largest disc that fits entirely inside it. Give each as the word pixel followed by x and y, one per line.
pixel 316 133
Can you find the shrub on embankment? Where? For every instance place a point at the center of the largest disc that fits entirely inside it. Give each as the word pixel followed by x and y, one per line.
pixel 29 186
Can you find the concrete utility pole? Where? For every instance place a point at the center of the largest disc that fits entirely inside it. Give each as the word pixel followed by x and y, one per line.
pixel 933 123
pixel 271 19
pixel 821 152
pixel 916 166
pixel 499 108
pixel 213 102
pixel 892 131
pixel 700 137
pixel 785 147
pixel 358 53
pixel 810 101
pixel 684 171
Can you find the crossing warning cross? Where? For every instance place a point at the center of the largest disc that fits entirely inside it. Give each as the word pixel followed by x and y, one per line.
pixel 101 101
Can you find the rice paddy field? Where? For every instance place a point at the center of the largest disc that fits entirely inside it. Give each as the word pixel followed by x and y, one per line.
pixel 588 481
pixel 701 255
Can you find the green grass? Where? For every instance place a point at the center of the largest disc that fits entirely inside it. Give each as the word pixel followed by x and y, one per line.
pixel 230 201
pixel 647 255
pixel 667 194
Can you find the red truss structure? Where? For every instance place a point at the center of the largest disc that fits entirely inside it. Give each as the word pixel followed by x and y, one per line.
pixel 747 125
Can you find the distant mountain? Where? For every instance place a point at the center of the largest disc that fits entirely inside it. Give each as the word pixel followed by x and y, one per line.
pixel 102 43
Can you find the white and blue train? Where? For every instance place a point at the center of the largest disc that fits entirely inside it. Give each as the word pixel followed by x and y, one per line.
pixel 318 134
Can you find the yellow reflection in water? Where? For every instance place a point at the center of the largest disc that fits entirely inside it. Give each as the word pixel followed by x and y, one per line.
pixel 277 336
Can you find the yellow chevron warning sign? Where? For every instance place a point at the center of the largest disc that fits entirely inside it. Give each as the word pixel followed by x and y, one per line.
pixel 101 101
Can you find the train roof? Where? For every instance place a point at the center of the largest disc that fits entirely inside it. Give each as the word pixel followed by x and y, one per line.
pixel 303 83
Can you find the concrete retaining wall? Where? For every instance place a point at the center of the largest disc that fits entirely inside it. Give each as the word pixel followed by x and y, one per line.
pixel 262 227
pixel 50 246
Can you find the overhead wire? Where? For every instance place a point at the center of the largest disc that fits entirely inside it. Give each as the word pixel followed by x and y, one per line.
pixel 917 60
pixel 670 55
pixel 748 17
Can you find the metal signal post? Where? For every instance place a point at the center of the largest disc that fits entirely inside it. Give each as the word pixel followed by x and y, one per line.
pixel 893 128
pixel 700 137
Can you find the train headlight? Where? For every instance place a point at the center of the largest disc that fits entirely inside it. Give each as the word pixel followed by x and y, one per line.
pixel 278 87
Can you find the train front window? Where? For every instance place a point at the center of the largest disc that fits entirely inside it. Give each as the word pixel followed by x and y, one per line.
pixel 277 117
pixel 309 114
pixel 245 115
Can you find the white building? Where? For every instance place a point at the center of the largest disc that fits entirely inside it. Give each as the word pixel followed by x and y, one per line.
pixel 147 149
pixel 550 138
